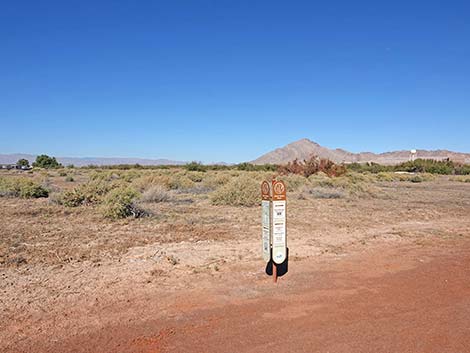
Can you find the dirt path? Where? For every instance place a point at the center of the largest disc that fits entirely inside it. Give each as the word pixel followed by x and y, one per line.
pixel 384 298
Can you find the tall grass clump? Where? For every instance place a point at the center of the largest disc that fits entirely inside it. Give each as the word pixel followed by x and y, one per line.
pixel 239 191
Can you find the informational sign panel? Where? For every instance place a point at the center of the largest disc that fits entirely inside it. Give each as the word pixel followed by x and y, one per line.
pixel 266 220
pixel 279 234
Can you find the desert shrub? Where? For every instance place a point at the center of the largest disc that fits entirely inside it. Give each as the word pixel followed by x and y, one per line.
pixel 463 179
pixel 416 179
pixel 216 179
pixel 129 175
pixel 462 169
pixel 369 167
pixel 312 166
pixel 86 194
pixel 196 177
pixel 294 167
pixel 386 176
pixel 195 167
pixel 55 198
pixel 327 193
pixel 239 191
pixel 352 184
pixel 427 166
pixel 62 173
pixel 294 182
pixel 155 194
pixel 120 203
pixel 22 187
pixel 103 175
pixel 147 181
pixel 256 167
pixel 69 179
pixel 180 182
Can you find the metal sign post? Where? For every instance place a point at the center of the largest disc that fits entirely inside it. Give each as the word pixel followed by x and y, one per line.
pixel 266 220
pixel 274 236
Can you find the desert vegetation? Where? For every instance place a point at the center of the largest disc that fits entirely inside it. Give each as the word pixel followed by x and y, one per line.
pixel 117 193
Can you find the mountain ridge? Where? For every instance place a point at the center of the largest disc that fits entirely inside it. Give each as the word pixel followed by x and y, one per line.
pixel 305 148
pixel 85 161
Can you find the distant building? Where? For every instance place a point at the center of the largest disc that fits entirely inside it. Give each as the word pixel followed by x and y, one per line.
pixel 14 166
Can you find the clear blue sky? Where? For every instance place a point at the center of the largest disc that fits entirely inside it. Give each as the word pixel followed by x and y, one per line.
pixel 229 80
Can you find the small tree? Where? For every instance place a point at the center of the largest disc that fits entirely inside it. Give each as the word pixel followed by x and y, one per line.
pixel 22 163
pixel 44 161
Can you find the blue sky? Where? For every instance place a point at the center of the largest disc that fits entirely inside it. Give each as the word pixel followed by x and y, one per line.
pixel 231 80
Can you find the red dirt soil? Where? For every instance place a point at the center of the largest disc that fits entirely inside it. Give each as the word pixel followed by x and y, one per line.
pixel 386 298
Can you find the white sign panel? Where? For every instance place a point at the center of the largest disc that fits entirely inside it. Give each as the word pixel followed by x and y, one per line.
pixel 279 231
pixel 266 236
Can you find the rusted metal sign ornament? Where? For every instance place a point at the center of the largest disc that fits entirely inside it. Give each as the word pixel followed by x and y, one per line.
pixel 274 235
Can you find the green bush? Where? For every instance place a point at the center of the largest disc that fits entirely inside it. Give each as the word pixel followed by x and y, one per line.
pixel 22 163
pixel 195 167
pixel 120 203
pixel 431 166
pixel 44 161
pixel 22 187
pixel 240 191
pixel 256 167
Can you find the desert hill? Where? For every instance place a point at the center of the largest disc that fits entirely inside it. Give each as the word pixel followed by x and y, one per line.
pixel 305 148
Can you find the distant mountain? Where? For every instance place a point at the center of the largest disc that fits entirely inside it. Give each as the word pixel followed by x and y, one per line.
pixel 305 148
pixel 80 162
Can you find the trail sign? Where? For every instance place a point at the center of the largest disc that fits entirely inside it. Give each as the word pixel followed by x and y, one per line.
pixel 273 215
pixel 279 233
pixel 266 220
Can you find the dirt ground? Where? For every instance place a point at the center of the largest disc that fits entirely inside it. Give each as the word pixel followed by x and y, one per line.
pixel 382 274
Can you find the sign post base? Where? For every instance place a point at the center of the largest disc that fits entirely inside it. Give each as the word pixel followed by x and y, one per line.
pixel 274 272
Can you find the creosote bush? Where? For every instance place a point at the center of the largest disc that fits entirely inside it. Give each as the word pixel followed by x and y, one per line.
pixel 120 203
pixel 240 191
pixel 86 194
pixel 22 187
